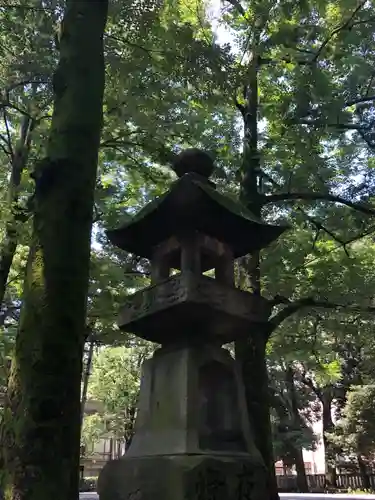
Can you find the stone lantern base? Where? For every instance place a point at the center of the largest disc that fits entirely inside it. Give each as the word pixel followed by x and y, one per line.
pixel 184 477
pixel 192 436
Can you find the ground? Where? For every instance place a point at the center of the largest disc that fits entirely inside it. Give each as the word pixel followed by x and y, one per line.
pixel 283 496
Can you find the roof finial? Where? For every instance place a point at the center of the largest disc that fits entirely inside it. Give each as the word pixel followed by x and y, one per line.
pixel 194 160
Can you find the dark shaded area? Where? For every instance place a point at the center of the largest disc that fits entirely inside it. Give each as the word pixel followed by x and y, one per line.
pixel 220 424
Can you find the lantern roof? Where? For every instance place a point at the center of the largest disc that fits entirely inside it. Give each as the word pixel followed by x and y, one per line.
pixel 193 204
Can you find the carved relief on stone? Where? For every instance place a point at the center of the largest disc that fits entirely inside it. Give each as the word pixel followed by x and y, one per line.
pixel 154 299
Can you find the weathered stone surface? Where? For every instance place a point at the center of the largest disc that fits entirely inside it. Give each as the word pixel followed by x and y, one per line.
pixel 192 436
pixel 192 401
pixel 206 252
pixel 194 160
pixel 189 477
pixel 197 308
pixel 193 205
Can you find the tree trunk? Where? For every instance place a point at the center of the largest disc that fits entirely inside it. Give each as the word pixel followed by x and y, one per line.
pixel 7 251
pixel 43 409
pixel 86 373
pixel 300 469
pixel 363 471
pixel 19 161
pixel 297 450
pixel 111 448
pixel 329 449
pixel 251 354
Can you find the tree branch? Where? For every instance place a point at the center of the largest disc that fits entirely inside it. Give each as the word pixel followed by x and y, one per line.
pixel 97 214
pixel 321 123
pixel 115 143
pixel 368 140
pixel 9 138
pixel 359 100
pixel 131 44
pixel 361 129
pixel 6 146
pixel 319 226
pixel 346 25
pixel 21 83
pixel 369 84
pixel 347 242
pixel 309 383
pixel 290 309
pixel 286 59
pixel 240 107
pixel 237 5
pixel 25 7
pixel 293 307
pixel 362 21
pixel 275 198
pixel 8 104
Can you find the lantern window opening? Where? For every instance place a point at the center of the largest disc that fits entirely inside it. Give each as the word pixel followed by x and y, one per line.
pixel 196 253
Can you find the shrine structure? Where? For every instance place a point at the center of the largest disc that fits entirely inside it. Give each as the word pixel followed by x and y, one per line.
pixel 193 439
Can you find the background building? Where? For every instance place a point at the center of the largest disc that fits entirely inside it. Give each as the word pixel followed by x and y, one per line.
pixel 314 460
pixel 107 448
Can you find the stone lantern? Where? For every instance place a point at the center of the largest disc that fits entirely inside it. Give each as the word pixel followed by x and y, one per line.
pixel 192 436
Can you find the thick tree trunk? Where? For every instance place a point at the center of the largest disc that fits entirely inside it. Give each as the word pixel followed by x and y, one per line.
pixel 297 451
pixel 251 353
pixel 300 469
pixel 43 411
pixel 9 243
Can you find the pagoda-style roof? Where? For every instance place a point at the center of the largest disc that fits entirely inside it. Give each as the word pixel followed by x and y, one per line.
pixel 192 204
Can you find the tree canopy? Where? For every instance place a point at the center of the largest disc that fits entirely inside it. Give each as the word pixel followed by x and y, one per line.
pixel 355 431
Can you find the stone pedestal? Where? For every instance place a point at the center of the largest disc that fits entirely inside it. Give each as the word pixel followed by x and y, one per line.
pixel 192 437
pixel 183 477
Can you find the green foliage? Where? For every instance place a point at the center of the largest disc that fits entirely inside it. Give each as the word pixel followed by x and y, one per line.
pixel 93 429
pixel 287 438
pixel 292 413
pixel 7 339
pixel 355 431
pixel 114 384
pixel 353 491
